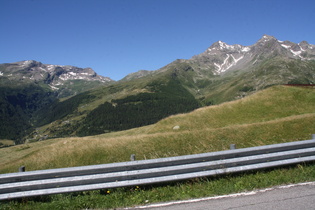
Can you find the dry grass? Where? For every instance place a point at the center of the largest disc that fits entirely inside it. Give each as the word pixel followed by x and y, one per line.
pixel 279 114
pixel 6 142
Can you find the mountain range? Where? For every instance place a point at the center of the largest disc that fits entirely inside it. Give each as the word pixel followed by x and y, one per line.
pixel 221 57
pixel 63 80
pixel 40 101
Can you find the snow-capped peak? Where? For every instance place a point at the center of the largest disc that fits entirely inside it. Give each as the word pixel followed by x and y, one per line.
pixel 54 75
pixel 267 38
pixel 223 45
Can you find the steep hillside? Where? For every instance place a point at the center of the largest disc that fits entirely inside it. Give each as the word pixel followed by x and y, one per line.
pixel 27 87
pixel 99 105
pixel 228 72
pixel 277 114
pixel 278 102
pixel 108 109
pixel 18 106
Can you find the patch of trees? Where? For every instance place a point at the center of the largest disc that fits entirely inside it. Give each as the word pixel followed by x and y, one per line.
pixel 17 109
pixel 58 110
pixel 139 110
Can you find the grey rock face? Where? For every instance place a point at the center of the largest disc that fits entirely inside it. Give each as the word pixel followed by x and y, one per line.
pixel 55 76
pixel 223 57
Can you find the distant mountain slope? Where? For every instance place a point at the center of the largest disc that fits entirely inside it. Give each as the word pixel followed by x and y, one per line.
pixel 63 80
pixel 18 106
pixel 29 86
pixel 226 72
pixel 224 58
pixel 221 57
pixel 109 109
pixel 222 73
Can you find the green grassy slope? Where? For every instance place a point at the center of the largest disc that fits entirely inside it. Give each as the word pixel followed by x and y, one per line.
pixel 179 87
pixel 118 107
pixel 277 114
pixel 271 104
pixel 242 82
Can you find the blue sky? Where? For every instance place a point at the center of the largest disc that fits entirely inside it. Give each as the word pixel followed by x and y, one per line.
pixel 118 37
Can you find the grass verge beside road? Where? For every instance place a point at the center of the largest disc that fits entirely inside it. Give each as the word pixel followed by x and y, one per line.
pixel 142 195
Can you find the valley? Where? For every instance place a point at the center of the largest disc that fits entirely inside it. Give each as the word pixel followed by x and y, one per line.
pixel 82 103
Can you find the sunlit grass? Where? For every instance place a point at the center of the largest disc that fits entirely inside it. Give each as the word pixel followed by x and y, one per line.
pixel 275 115
pixel 6 143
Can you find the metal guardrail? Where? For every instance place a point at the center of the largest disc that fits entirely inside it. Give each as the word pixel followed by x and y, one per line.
pixel 133 173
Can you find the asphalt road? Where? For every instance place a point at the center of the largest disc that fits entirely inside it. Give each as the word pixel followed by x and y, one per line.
pixel 295 197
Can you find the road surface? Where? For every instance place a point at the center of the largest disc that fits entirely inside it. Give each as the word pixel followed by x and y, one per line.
pixel 296 197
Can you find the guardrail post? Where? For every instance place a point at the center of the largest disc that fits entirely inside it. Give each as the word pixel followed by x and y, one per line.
pixel 22 169
pixel 313 136
pixel 133 157
pixel 232 146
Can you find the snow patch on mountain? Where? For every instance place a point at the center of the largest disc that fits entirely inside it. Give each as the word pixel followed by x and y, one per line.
pixel 227 63
pixel 267 38
pixel 222 68
pixel 238 59
pixel 296 53
pixel 301 48
pixel 27 62
pixel 218 66
pixel 53 87
pixel 223 45
pixel 52 75
pixel 223 57
pixel 86 73
pixel 285 46
pixel 245 49
pixel 50 67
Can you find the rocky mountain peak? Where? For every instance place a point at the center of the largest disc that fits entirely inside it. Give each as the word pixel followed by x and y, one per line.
pixel 55 76
pixel 28 64
pixel 34 70
pixel 303 43
pixel 219 45
pixel 222 46
pixel 267 38
pixel 221 57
